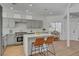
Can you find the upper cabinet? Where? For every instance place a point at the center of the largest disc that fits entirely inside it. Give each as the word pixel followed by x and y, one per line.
pixel 11 23
pixel 32 24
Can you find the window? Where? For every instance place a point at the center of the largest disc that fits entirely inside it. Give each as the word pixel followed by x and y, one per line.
pixel 55 26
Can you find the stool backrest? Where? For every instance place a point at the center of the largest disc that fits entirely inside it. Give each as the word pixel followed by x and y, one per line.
pixel 39 41
pixel 49 40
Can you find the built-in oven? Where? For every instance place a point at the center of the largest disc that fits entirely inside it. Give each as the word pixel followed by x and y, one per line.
pixel 19 36
pixel 20 39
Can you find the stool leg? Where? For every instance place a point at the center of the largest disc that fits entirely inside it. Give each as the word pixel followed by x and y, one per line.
pixel 47 50
pixel 43 50
pixel 40 50
pixel 53 49
pixel 35 50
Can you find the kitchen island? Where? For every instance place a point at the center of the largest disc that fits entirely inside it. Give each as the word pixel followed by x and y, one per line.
pixel 28 39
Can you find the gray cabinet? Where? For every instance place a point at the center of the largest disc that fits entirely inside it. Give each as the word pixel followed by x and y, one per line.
pixel 32 24
pixel 11 23
pixel 11 39
pixel 4 38
pixel 5 41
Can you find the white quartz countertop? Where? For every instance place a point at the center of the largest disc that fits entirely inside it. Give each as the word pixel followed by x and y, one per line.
pixel 36 35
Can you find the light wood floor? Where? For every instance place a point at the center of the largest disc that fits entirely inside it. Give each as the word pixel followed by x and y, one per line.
pixel 60 47
pixel 14 51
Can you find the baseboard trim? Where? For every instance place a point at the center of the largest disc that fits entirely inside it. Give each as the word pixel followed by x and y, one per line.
pixel 14 45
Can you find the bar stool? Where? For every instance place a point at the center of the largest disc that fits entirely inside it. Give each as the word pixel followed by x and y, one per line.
pixel 48 42
pixel 38 44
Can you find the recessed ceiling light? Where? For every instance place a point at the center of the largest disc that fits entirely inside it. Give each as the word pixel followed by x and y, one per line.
pixel 11 8
pixel 30 4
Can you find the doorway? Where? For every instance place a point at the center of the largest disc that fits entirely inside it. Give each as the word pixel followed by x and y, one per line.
pixel 55 27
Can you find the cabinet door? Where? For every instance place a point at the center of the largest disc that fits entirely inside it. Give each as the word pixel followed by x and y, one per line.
pixel 35 24
pixel 4 38
pixel 11 23
pixel 11 39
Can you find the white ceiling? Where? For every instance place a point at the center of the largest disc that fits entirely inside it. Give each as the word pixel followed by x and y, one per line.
pixel 36 8
pixel 40 8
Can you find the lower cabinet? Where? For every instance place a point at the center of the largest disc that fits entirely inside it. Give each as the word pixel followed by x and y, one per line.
pixel 4 38
pixel 11 39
